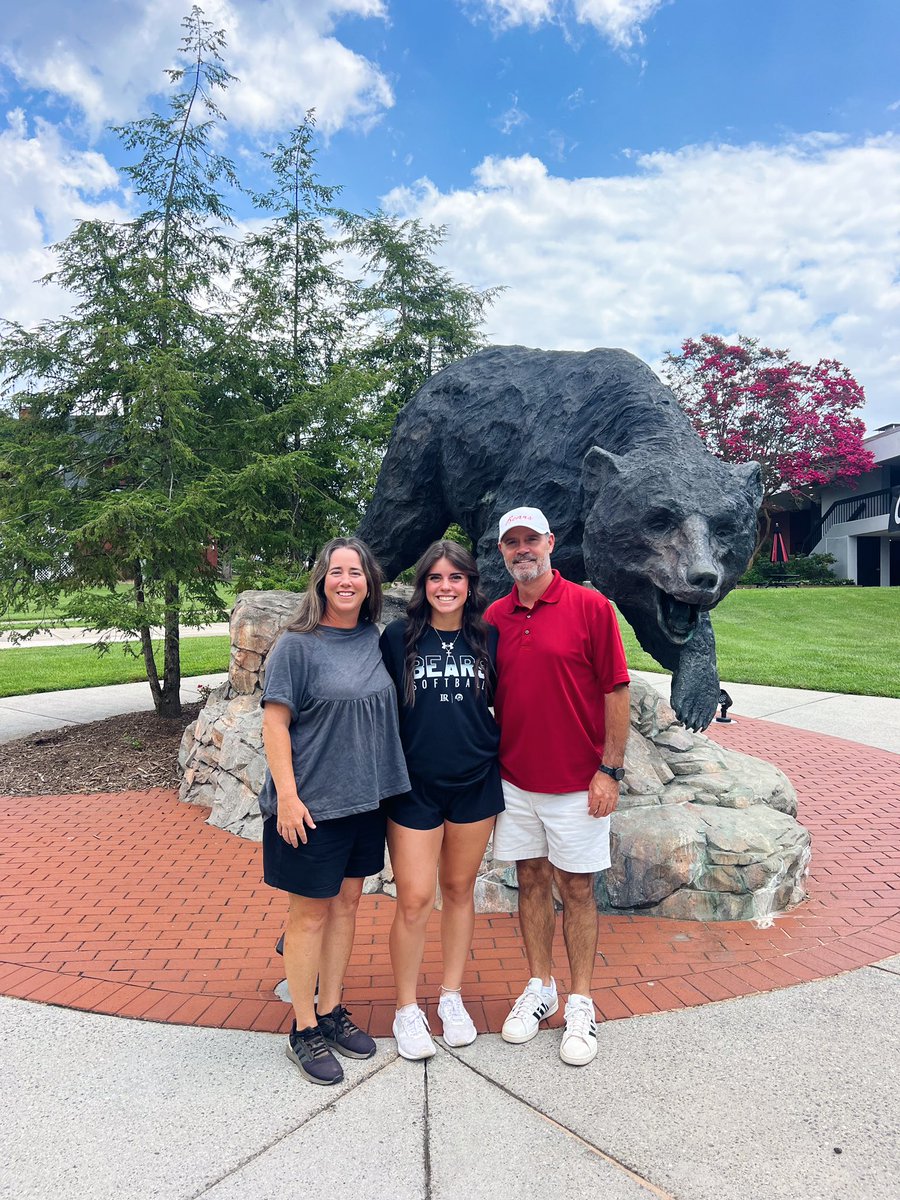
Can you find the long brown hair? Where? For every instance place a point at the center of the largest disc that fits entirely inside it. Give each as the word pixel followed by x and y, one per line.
pixel 312 605
pixel 474 627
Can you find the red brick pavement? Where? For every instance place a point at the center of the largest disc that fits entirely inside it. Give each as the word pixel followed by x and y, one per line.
pixel 131 905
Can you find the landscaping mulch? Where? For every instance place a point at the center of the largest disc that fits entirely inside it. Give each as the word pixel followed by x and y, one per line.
pixel 130 752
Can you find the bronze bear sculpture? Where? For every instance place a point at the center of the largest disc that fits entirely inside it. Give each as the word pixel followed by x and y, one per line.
pixel 637 503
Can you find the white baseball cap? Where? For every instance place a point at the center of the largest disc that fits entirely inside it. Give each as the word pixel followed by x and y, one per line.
pixel 529 518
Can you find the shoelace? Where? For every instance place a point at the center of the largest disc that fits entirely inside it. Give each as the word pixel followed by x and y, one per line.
pixel 315 1045
pixel 578 1020
pixel 451 1003
pixel 414 1024
pixel 526 1004
pixel 343 1024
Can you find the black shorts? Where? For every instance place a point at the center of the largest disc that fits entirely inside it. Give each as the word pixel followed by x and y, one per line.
pixel 428 806
pixel 346 848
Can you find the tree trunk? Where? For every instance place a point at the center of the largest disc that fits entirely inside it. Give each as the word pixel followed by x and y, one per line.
pixel 147 641
pixel 763 526
pixel 170 705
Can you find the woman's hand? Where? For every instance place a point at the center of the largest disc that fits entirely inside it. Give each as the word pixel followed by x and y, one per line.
pixel 293 819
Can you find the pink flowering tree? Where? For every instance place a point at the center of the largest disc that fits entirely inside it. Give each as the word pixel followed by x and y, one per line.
pixel 750 403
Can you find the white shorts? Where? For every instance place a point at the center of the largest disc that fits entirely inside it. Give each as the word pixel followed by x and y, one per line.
pixel 558 827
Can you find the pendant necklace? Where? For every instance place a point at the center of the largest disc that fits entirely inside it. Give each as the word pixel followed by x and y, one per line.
pixel 447 646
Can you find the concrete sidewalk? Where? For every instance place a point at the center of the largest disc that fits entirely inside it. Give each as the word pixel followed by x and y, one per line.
pixel 21 715
pixel 871 720
pixel 75 636
pixel 791 1095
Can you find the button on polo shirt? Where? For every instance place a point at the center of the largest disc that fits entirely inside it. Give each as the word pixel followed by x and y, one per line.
pixel 555 664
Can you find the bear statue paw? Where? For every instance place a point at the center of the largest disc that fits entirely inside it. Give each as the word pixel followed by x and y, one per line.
pixel 694 704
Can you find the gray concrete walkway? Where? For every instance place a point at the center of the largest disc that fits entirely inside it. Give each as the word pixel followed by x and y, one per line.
pixel 791 1095
pixel 75 636
pixel 871 720
pixel 21 715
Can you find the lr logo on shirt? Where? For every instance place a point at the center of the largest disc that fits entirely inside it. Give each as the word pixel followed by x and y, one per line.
pixel 433 670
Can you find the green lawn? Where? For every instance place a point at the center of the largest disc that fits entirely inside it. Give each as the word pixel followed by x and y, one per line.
pixel 826 639
pixel 56 614
pixel 59 668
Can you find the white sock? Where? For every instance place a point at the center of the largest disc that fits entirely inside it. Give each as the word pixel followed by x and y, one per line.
pixel 549 989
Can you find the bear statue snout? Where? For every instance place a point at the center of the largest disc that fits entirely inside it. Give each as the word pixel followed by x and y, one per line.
pixel 704 577
pixel 700 572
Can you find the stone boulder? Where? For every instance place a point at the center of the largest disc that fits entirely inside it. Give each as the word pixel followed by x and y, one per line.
pixel 701 833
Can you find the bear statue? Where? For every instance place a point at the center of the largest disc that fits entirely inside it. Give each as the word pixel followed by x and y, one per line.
pixel 637 503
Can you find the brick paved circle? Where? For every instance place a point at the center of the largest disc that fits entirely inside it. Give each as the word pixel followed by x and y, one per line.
pixel 131 905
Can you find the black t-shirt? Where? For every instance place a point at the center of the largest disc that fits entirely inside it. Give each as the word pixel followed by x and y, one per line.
pixel 449 735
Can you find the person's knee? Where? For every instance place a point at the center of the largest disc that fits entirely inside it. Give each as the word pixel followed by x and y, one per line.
pixel 306 916
pixel 575 890
pixel 347 899
pixel 414 907
pixel 534 876
pixel 457 890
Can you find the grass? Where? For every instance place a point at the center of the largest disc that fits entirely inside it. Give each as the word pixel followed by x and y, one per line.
pixel 56 615
pixel 24 672
pixel 826 639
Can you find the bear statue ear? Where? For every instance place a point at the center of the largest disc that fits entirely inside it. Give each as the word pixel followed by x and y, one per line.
pixel 597 466
pixel 749 477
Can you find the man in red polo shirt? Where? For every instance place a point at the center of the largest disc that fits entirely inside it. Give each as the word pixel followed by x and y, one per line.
pixel 562 705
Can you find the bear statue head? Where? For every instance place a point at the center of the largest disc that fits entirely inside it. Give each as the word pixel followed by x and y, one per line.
pixel 669 534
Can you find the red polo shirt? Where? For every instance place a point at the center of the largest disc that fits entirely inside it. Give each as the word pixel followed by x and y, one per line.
pixel 555 664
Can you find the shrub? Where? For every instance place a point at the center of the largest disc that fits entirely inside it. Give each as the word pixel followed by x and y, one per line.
pixel 812 569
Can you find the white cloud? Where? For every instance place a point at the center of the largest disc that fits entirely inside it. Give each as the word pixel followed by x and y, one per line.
pixel 619 21
pixel 45 188
pixel 797 244
pixel 106 59
pixel 513 117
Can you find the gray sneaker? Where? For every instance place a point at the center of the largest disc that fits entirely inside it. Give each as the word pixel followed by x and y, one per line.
pixel 307 1050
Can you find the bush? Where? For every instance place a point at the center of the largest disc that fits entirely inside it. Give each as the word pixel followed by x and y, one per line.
pixel 812 569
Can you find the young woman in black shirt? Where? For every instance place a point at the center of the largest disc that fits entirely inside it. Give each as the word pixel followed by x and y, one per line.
pixel 442 659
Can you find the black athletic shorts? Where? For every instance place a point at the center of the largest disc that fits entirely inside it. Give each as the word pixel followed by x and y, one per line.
pixel 347 848
pixel 428 806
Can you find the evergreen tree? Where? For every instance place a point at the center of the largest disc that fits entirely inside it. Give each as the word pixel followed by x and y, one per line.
pixel 110 468
pixel 415 319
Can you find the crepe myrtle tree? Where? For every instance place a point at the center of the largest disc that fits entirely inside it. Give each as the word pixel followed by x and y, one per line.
pixel 750 403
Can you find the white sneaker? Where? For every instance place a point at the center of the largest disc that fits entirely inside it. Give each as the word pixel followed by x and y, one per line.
pixel 579 1041
pixel 459 1028
pixel 413 1034
pixel 532 1007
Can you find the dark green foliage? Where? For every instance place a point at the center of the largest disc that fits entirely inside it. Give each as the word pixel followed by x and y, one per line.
pixel 812 569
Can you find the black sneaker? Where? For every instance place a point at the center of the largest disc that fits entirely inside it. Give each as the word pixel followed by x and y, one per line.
pixel 342 1035
pixel 306 1048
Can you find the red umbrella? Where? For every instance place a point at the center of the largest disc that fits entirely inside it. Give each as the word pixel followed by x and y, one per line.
pixel 779 554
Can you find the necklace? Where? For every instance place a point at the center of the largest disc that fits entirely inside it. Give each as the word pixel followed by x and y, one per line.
pixel 447 646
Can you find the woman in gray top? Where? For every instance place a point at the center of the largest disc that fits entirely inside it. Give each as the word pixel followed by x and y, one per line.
pixel 333 750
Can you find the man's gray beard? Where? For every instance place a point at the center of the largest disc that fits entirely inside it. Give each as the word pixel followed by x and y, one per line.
pixel 527 572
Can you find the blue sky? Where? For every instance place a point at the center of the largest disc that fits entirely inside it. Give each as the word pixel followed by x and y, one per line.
pixel 633 171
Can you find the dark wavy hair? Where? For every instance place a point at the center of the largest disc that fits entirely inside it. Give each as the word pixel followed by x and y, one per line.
pixel 418 615
pixel 312 606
